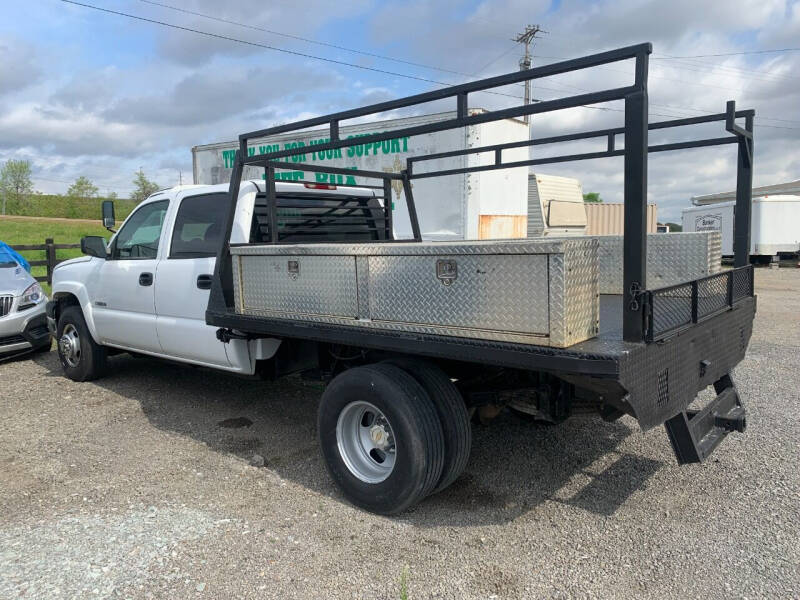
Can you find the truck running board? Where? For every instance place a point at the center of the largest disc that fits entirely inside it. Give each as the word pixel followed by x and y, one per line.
pixel 695 433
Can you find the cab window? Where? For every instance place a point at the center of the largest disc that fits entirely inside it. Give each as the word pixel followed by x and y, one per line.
pixel 198 226
pixel 139 237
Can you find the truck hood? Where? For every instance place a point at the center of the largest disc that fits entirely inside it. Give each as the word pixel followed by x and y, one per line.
pixel 73 261
pixel 14 279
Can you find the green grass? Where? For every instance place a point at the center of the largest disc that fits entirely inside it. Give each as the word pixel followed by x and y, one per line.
pixel 404 584
pixel 16 233
pixel 47 205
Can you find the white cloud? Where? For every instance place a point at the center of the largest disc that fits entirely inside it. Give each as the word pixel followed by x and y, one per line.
pixel 18 67
pixel 186 89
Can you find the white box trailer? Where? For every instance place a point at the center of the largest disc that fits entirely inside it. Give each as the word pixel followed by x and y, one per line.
pixel 555 206
pixel 482 205
pixel 774 229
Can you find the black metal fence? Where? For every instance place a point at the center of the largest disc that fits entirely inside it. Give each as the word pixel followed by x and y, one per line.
pixel 677 306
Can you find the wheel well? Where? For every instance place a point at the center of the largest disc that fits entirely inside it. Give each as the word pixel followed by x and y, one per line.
pixel 62 301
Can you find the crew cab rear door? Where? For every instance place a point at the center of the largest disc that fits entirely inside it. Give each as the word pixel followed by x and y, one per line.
pixel 184 279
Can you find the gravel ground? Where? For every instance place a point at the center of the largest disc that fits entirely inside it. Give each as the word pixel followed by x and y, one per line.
pixel 141 485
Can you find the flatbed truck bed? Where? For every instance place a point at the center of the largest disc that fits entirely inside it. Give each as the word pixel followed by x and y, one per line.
pixel 528 326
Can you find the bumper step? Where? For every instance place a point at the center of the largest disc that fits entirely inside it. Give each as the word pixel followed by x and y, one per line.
pixel 694 434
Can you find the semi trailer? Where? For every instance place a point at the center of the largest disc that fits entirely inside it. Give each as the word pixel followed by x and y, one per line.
pixel 267 277
pixel 775 228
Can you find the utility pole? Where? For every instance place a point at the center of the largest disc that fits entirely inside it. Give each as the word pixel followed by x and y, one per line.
pixel 526 37
pixel 180 177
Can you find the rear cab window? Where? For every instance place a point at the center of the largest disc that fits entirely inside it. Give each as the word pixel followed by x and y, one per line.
pixel 307 217
pixel 199 226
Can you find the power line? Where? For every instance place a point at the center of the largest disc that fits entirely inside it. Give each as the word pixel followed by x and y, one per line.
pixel 750 74
pixel 249 43
pixel 303 39
pixel 760 117
pixel 268 47
pixel 494 60
pixel 311 56
pixel 667 57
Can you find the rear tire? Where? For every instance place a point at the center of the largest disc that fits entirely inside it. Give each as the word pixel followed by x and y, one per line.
pixel 453 416
pixel 81 357
pixel 380 437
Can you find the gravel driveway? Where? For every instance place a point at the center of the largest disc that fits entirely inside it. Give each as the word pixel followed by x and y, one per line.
pixel 140 485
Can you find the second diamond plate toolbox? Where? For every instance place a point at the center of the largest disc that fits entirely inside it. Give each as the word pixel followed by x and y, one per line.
pixel 671 258
pixel 541 292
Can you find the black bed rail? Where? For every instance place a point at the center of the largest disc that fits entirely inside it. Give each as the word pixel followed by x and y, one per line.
pixel 673 308
pixel 635 130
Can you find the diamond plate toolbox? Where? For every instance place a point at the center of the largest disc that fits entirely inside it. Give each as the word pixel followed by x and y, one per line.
pixel 672 258
pixel 542 292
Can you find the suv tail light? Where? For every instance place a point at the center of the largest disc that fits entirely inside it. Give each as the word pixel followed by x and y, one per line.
pixel 319 186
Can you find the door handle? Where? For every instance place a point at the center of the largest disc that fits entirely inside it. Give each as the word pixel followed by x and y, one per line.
pixel 204 282
pixel 146 279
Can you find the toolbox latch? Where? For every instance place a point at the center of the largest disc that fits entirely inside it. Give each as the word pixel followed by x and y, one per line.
pixel 294 268
pixel 446 271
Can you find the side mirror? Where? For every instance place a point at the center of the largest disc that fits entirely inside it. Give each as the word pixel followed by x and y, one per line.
pixel 94 245
pixel 108 214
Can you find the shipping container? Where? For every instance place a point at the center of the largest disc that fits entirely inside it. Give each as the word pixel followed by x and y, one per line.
pixel 604 218
pixel 483 205
pixel 774 225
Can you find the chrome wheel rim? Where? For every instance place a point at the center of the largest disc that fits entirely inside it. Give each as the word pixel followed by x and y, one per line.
pixel 69 346
pixel 366 442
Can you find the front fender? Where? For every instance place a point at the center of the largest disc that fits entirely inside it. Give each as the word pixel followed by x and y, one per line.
pixel 64 289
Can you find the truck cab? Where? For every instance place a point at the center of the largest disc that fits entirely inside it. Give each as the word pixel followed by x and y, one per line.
pixel 146 290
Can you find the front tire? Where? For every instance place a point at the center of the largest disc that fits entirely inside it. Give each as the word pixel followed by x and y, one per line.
pixel 381 438
pixel 81 357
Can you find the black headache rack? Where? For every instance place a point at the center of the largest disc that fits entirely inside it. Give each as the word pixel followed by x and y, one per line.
pixel 302 218
pixel 670 343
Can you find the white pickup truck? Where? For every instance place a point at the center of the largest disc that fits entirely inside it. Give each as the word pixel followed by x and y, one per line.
pixel 268 277
pixel 146 291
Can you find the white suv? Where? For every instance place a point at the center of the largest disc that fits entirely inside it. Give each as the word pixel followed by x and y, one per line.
pixel 22 312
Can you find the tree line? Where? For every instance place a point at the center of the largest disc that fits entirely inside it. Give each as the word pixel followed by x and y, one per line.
pixel 16 185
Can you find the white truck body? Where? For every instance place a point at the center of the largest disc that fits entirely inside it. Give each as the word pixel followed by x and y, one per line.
pixel 774 229
pixel 483 205
pixel 555 206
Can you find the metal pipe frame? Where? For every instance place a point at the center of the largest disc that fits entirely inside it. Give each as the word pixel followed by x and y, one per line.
pixel 635 153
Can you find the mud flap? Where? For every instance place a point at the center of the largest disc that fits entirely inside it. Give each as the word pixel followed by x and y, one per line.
pixel 694 434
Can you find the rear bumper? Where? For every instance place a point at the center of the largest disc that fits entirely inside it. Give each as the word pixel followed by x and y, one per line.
pixel 663 378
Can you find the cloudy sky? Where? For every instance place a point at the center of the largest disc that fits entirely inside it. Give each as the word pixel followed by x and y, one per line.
pixel 85 92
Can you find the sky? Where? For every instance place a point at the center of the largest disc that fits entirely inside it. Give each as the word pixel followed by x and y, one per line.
pixel 85 92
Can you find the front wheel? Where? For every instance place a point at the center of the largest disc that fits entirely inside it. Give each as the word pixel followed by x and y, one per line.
pixel 81 357
pixel 381 438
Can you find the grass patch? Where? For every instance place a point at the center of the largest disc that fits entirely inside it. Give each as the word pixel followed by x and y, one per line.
pixel 51 205
pixel 15 233
pixel 404 584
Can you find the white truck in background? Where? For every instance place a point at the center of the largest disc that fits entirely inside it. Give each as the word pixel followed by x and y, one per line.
pixel 774 229
pixel 481 205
